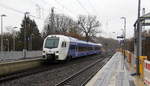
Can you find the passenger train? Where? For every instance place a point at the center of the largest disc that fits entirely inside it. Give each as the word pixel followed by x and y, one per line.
pixel 60 47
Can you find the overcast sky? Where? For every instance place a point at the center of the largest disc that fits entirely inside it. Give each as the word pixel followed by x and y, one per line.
pixel 107 11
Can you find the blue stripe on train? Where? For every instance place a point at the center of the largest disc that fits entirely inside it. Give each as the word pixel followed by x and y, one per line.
pixel 83 53
pixel 72 52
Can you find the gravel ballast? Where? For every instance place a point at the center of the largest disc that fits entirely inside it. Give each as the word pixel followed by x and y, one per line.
pixel 54 75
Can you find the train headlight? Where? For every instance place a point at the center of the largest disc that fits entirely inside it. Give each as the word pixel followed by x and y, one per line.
pixel 57 51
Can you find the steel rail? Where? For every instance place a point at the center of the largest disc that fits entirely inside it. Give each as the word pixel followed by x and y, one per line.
pixel 90 77
pixel 62 83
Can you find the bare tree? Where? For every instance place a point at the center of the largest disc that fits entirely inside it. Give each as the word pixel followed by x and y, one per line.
pixel 88 25
pixel 62 24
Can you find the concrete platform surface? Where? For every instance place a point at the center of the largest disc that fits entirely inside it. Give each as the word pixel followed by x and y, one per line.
pixel 115 73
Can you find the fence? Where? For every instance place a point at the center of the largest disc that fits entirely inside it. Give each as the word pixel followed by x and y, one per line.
pixel 16 55
pixel 147 72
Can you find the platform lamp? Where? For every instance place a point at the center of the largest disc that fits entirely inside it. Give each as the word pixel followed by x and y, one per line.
pixel 14 42
pixel 3 15
pixel 124 18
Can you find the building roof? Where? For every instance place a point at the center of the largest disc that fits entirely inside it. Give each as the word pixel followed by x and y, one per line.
pixel 146 15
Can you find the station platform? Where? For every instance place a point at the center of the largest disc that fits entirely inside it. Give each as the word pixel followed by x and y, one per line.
pixel 116 72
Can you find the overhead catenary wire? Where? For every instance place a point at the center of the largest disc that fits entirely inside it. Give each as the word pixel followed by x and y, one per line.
pixel 16 10
pixel 82 6
pixel 10 8
pixel 94 9
pixel 21 12
pixel 40 8
pixel 46 2
pixel 57 2
pixel 64 7
pixel 92 6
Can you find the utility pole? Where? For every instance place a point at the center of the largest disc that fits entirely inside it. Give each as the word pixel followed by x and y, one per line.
pixel 143 11
pixel 139 42
pixel 142 35
pixel 14 38
pixel 25 30
pixel 135 41
pixel 7 44
pixel 31 38
pixel 25 37
pixel 52 20
pixel 3 15
pixel 38 9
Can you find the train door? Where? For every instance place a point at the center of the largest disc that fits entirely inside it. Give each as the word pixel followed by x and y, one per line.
pixel 73 50
pixel 76 50
pixel 63 50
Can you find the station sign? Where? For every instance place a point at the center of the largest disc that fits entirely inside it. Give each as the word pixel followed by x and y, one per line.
pixel 120 37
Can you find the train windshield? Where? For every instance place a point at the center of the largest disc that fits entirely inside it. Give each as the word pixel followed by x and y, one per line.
pixel 51 42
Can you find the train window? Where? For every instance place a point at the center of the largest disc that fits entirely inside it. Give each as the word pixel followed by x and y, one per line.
pixel 72 47
pixel 51 42
pixel 90 48
pixel 93 48
pixel 63 44
pixel 97 48
pixel 81 48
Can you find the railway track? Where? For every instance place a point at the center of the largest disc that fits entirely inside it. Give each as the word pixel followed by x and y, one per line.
pixel 53 73
pixel 71 81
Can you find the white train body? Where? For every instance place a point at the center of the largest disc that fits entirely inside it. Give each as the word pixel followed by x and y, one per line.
pixel 60 47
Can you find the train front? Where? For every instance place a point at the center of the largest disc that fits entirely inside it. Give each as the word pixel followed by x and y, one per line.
pixel 51 48
pixel 55 47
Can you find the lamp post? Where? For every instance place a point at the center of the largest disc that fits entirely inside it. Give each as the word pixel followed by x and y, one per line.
pixel 3 15
pixel 114 34
pixel 124 33
pixel 14 42
pixel 124 36
pixel 8 44
pixel 124 18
